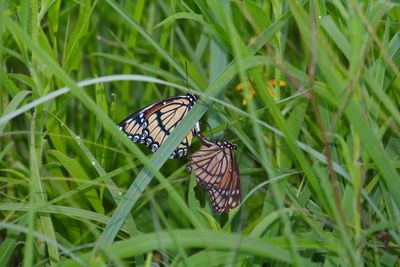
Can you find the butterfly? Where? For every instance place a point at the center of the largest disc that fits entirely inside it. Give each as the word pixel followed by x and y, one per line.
pixel 216 169
pixel 154 123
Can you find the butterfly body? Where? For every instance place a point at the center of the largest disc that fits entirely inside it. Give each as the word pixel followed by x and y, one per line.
pixel 153 124
pixel 216 170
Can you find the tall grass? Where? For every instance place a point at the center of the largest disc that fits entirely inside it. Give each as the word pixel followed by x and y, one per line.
pixel 318 152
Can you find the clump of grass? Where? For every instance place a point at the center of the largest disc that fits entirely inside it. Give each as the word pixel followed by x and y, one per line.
pixel 318 152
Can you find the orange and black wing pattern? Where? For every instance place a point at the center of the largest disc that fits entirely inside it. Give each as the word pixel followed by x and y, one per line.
pixel 154 123
pixel 216 169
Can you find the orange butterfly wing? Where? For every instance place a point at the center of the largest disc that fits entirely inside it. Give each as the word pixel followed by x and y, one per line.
pixel 153 124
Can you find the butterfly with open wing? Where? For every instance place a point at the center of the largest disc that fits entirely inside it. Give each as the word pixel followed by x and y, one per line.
pixel 216 169
pixel 154 123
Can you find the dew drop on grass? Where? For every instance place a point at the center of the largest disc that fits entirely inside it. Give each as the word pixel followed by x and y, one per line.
pixel 93 163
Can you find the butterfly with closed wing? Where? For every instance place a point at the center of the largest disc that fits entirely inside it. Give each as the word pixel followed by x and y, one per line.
pixel 216 170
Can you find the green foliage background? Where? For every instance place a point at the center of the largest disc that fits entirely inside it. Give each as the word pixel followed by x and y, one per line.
pixel 318 156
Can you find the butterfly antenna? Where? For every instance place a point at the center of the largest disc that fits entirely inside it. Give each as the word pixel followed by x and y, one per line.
pixel 187 77
pixel 226 130
pixel 212 135
pixel 211 131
